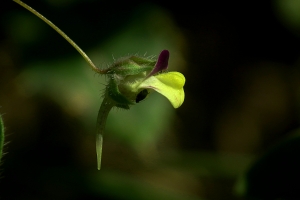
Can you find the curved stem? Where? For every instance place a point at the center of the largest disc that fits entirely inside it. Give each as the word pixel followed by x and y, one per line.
pixel 105 107
pixel 87 59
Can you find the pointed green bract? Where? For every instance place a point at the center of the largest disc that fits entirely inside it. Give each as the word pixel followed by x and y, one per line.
pixel 105 108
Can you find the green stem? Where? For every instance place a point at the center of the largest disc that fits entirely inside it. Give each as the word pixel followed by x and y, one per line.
pixel 1 137
pixel 87 59
pixel 105 108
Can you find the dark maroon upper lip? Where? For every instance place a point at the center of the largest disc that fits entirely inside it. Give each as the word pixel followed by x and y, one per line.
pixel 162 62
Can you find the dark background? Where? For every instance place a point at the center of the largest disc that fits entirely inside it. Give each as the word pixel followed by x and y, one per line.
pixel 241 69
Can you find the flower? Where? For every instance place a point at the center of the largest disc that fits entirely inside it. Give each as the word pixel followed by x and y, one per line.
pixel 133 78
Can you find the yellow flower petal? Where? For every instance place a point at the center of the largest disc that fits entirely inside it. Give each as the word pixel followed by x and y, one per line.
pixel 169 85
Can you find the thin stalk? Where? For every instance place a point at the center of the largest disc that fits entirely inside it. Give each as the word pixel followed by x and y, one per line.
pixel 87 59
pixel 105 108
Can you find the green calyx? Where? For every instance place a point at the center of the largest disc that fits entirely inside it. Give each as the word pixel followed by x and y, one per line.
pixel 113 93
pixel 124 75
pixel 131 65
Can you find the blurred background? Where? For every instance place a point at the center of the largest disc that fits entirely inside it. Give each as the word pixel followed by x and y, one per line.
pixel 241 63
